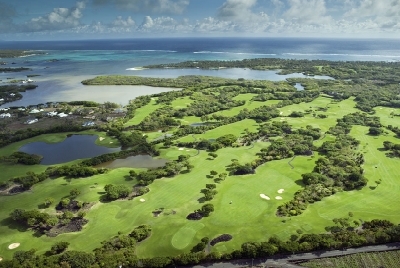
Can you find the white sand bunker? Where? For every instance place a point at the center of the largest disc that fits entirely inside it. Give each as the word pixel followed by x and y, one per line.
pixel 101 139
pixel 278 197
pixel 266 197
pixel 13 245
pixel 280 191
pixel 281 113
pixel 1 258
pixel 181 149
pixel 142 200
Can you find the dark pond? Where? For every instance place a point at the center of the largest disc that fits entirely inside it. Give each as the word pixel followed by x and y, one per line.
pixel 72 148
pixel 137 161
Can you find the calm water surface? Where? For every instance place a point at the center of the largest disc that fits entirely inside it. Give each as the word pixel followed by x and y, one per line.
pixel 72 148
pixel 137 161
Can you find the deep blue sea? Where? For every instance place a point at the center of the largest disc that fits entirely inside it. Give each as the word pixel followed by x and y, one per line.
pixel 65 63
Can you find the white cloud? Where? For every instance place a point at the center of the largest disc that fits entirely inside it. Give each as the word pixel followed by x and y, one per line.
pixel 375 9
pixel 60 18
pixel 240 17
pixel 307 12
pixel 120 22
pixel 153 6
pixel 236 9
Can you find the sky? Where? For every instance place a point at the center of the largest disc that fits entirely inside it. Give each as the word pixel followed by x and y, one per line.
pixel 88 19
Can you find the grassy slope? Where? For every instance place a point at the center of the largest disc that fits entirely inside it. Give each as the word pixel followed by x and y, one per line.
pixel 248 218
pixel 368 203
pixel 142 112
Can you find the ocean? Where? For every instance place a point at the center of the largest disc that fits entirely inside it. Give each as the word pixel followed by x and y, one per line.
pixel 64 64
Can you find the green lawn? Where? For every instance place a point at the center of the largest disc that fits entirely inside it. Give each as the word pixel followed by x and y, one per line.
pixel 370 202
pixel 239 209
pixel 334 112
pixel 236 128
pixel 182 102
pixel 142 112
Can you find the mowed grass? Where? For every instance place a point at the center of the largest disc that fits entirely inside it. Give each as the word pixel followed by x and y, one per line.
pixel 385 115
pixel 236 129
pixel 371 202
pixel 142 112
pixel 182 102
pixel 91 190
pixel 239 209
pixel 335 111
pixel 250 105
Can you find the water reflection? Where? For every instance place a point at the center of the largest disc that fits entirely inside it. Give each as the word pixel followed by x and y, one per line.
pixel 72 148
pixel 137 161
pixel 299 87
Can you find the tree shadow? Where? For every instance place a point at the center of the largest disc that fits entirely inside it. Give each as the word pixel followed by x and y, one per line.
pixel 372 187
pixel 43 206
pixel 128 178
pixel 300 183
pixel 11 224
pixel 185 171
pixel 103 199
pixel 201 199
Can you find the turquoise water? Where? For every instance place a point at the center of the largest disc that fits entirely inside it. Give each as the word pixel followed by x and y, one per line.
pixel 64 64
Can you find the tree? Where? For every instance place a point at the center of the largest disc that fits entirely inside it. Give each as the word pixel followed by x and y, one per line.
pixel 74 193
pixel 114 192
pixel 206 210
pixel 65 202
pixel 213 155
pixel 132 173
pixel 213 173
pixel 59 247
pixel 48 201
pixel 78 259
pixel 375 131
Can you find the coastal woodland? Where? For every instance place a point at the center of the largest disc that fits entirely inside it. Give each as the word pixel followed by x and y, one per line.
pixel 253 168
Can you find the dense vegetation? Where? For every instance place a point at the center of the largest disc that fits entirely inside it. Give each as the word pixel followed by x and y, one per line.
pixel 14 53
pixel 246 135
pixel 388 71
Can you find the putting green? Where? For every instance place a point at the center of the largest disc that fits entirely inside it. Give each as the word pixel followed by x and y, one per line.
pixel 185 235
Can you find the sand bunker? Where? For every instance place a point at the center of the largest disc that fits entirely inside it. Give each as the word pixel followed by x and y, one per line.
pixel 142 200
pixel 1 258
pixel 281 113
pixel 13 245
pixel 263 196
pixel 278 197
pixel 181 149
pixel 101 138
pixel 280 191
